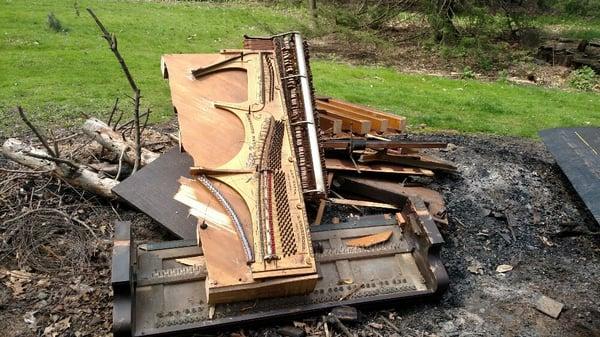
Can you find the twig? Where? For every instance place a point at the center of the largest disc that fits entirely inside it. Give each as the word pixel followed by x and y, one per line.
pixel 326 327
pixel 54 159
pixel 115 211
pixel 340 325
pixel 111 39
pixel 391 325
pixel 145 121
pixel 121 161
pixel 24 171
pixel 81 222
pixel 35 130
pixel 112 112
pixel 118 121
pixel 131 121
pixel 54 143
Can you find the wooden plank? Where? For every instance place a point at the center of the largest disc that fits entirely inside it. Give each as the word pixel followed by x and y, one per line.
pixel 151 190
pixel 396 122
pixel 577 153
pixel 323 202
pixel 421 160
pixel 360 127
pixel 377 124
pixel 361 203
pixel 335 164
pixel 328 123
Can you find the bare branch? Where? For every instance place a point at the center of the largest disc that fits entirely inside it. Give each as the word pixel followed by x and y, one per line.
pixel 54 159
pixel 112 44
pixel 114 109
pixel 131 121
pixel 146 120
pixel 24 171
pixel 118 121
pixel 55 143
pixel 35 130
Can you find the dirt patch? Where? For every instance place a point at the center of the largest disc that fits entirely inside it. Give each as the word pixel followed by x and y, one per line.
pixel 510 204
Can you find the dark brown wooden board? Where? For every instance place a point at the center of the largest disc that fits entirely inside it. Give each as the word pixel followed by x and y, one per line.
pixel 577 152
pixel 152 188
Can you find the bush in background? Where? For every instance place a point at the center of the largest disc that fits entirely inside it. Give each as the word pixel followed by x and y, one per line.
pixel 583 78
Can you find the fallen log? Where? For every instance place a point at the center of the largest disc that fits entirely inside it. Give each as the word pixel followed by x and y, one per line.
pixel 115 142
pixel 72 173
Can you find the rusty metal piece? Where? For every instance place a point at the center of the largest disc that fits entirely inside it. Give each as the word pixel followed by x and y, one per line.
pixel 393 193
pixel 169 297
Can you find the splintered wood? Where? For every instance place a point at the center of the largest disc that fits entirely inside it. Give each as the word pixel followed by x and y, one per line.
pixel 242 118
pixel 370 240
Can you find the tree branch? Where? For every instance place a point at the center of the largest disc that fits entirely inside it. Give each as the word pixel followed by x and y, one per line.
pixel 35 130
pixel 111 39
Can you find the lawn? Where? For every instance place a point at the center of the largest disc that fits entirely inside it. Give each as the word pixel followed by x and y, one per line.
pixel 59 76
pixel 463 105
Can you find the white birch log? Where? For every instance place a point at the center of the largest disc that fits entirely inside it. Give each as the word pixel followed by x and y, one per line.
pixel 114 142
pixel 82 177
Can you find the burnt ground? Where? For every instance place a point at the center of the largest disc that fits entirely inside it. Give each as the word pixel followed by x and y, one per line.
pixel 510 204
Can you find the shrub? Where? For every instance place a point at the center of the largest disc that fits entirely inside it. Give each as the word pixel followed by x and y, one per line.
pixel 583 79
pixel 503 76
pixel 468 73
pixel 582 7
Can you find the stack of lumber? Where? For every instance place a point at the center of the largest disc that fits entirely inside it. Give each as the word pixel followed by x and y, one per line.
pixel 338 118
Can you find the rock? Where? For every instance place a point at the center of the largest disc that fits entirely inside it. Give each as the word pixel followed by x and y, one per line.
pixel 345 313
pixel 42 295
pixel 503 268
pixel 291 331
pixel 475 267
pixel 549 306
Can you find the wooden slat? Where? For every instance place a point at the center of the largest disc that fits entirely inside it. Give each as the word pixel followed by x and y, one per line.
pixel 361 203
pixel 396 122
pixel 329 123
pixel 360 127
pixel 377 124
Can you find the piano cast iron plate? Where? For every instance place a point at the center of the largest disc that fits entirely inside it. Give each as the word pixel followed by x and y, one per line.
pixel 577 152
pixel 167 297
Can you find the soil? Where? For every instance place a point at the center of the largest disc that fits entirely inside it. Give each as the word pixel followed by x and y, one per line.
pixel 509 204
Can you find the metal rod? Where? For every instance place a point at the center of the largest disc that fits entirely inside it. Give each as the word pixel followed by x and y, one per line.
pixel 309 114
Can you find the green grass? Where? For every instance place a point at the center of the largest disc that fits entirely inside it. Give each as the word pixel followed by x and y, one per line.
pixel 463 105
pixel 59 76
